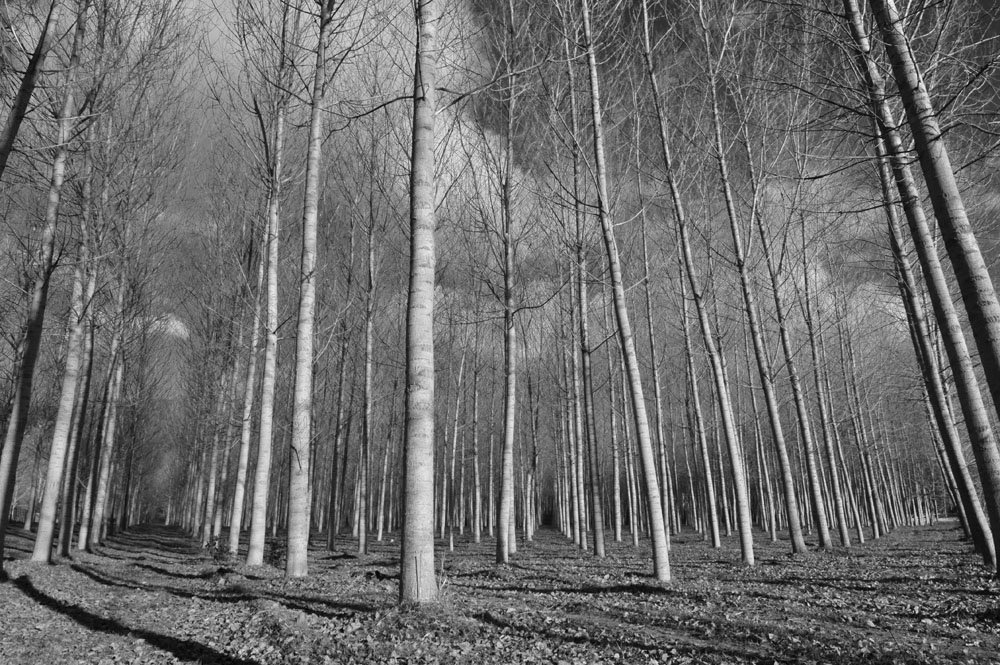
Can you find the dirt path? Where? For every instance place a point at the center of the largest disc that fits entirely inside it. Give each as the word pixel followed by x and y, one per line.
pixel 152 596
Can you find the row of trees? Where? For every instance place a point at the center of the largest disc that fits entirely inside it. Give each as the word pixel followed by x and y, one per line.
pixel 95 114
pixel 658 276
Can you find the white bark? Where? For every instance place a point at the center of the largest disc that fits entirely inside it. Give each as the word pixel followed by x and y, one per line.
pixel 417 581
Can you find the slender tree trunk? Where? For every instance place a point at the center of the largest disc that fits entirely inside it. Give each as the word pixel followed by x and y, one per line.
pixel 364 454
pixel 342 431
pixel 477 489
pixel 661 563
pixel 764 369
pixel 506 541
pixel 262 473
pixel 699 422
pixel 579 438
pixel 821 398
pixel 386 476
pixel 654 365
pixel 299 495
pixel 448 498
pixel 746 535
pixel 102 488
pixel 67 513
pixel 588 424
pixel 83 538
pixel 64 415
pixel 246 418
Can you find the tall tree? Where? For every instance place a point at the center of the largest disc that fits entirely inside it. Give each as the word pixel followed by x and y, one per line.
pixel 974 280
pixel 417 580
pixel 299 496
pixel 661 562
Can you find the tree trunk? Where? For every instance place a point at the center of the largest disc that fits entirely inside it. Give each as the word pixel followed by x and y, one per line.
pixel 699 422
pixel 64 415
pixel 974 281
pixel 661 563
pixel 102 488
pixel 933 388
pixel 417 581
pixel 299 494
pixel 262 473
pixel 67 514
pixel 821 398
pixel 746 536
pixel 19 107
pixel 959 240
pixel 246 418
pixel 477 489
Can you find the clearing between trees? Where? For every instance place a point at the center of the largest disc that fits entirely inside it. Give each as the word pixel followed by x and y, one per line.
pixel 152 595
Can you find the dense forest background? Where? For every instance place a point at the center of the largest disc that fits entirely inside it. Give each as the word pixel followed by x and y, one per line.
pixel 686 277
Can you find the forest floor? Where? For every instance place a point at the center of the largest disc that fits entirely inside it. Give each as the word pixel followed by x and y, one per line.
pixel 153 596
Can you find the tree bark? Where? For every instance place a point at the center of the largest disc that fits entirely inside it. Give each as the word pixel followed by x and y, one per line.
pixel 974 281
pixel 661 563
pixel 417 581
pixel 19 107
pixel 959 239
pixel 262 473
pixel 61 430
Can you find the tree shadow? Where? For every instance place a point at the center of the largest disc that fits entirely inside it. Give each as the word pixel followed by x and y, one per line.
pixel 182 649
pixel 238 594
pixel 223 595
pixel 204 575
pixel 682 644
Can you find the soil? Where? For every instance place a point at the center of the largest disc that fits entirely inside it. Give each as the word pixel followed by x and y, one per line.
pixel 154 596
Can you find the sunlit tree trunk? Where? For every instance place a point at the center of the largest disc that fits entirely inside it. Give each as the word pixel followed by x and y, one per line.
pixel 574 424
pixel 299 494
pixel 211 488
pixel 715 359
pixel 578 431
pixel 505 500
pixel 76 357
pixel 68 509
pixel 974 280
pixel 367 424
pixel 246 418
pixel 934 393
pixel 477 488
pixel 417 580
pixel 750 310
pixel 386 476
pixel 959 239
pixel 262 473
pixel 449 496
pixel 699 420
pixel 666 499
pixel 824 416
pixel 798 398
pixel 661 563
pixel 103 485
pixel 506 541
